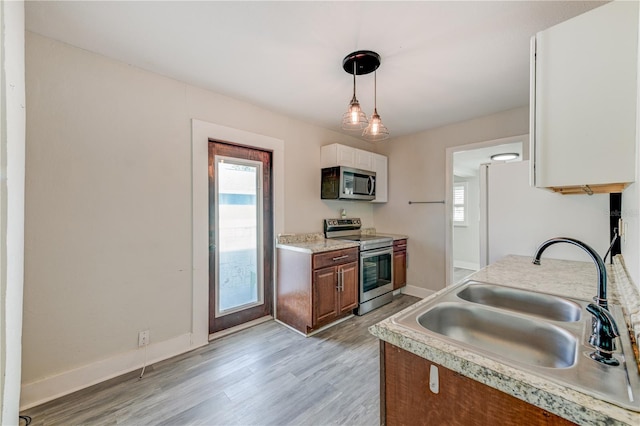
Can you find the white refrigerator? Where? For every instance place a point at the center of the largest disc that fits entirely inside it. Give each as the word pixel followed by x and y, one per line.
pixel 516 218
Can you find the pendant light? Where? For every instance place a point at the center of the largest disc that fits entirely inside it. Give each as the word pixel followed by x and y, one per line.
pixel 358 63
pixel 354 118
pixel 375 131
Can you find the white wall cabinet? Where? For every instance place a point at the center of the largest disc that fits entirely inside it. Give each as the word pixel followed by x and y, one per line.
pixel 343 155
pixel 380 164
pixel 583 101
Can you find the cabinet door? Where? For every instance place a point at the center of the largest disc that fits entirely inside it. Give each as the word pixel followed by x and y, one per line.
pixel 380 167
pixel 399 269
pixel 348 296
pixel 407 398
pixel 325 301
pixel 584 95
pixel 363 160
pixel 346 156
pixel 337 155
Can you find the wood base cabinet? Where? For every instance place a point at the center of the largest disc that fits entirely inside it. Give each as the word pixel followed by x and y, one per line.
pixel 408 397
pixel 399 263
pixel 314 290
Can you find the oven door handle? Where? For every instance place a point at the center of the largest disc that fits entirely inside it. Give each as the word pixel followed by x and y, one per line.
pixel 386 250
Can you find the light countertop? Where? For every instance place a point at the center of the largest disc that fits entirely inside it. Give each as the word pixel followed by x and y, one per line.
pixel 565 278
pixel 316 243
pixel 312 243
pixel 372 231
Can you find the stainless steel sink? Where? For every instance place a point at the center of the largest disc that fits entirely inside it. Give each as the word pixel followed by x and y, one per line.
pixel 520 339
pixel 540 333
pixel 528 302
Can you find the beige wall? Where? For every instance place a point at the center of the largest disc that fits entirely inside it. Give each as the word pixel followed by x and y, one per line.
pixel 108 206
pixel 417 171
pixel 12 169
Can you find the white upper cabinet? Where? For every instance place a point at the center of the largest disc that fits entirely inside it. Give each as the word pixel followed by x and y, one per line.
pixel 364 160
pixel 380 167
pixel 583 101
pixel 343 155
pixel 337 155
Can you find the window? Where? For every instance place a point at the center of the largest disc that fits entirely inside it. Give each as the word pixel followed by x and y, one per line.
pixel 460 204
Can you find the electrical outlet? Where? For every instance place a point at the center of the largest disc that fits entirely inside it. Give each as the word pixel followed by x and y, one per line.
pixel 143 338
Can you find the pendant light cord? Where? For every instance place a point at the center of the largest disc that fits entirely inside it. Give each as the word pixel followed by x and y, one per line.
pixel 375 91
pixel 354 78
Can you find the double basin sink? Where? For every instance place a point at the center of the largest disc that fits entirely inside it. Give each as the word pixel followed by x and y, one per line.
pixel 544 334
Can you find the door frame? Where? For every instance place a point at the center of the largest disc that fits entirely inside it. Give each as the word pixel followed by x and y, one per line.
pixel 449 191
pixel 201 132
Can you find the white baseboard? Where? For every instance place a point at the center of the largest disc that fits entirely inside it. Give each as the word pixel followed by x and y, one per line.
pixel 466 265
pixel 41 391
pixel 415 291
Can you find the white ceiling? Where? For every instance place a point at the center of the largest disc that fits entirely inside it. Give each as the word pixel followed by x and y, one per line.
pixel 442 62
pixel 467 163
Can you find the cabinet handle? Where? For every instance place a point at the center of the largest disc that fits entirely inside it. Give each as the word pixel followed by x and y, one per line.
pixel 342 280
pixel 338 287
pixel 340 257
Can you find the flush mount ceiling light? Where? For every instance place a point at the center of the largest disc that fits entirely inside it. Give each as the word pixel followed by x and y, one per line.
pixel 359 63
pixel 506 156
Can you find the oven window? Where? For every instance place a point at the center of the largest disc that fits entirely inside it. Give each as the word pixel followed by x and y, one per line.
pixel 376 271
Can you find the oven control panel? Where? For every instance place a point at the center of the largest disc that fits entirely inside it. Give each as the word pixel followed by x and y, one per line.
pixel 342 224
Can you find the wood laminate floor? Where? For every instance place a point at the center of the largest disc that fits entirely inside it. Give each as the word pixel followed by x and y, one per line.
pixel 266 375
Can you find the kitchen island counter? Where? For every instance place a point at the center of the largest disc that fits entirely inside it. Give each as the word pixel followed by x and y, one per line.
pixel 564 278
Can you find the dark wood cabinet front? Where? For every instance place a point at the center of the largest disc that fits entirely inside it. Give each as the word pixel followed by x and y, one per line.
pixel 399 264
pixel 335 291
pixel 407 397
pixel 325 296
pixel 314 290
pixel 348 294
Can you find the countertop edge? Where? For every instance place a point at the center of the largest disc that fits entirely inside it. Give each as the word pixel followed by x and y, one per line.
pixel 317 247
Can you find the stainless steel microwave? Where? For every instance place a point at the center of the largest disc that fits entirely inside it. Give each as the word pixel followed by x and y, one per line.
pixel 346 183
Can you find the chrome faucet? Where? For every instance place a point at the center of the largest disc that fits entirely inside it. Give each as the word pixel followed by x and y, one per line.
pixel 604 328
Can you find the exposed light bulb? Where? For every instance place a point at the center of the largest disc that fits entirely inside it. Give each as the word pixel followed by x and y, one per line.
pixel 355 114
pixel 354 118
pixel 375 126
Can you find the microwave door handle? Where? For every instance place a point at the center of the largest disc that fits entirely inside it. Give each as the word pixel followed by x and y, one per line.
pixel 372 185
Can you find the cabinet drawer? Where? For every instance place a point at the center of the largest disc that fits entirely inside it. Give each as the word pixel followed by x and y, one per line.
pixel 336 257
pixel 399 245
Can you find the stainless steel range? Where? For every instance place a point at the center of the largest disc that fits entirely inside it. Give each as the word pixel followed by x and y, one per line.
pixel 376 262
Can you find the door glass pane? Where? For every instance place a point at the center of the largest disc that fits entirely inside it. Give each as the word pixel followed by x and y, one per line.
pixel 239 228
